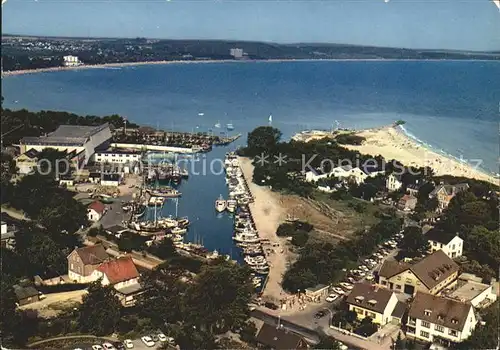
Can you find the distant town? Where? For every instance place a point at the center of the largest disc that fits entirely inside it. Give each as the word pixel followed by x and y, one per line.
pixel 25 52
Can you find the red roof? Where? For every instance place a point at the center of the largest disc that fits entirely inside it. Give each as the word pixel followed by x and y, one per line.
pixel 97 206
pixel 119 270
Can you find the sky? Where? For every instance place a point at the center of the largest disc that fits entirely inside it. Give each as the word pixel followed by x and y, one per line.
pixel 431 24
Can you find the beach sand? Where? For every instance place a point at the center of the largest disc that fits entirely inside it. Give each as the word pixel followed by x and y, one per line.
pixel 391 143
pixel 268 214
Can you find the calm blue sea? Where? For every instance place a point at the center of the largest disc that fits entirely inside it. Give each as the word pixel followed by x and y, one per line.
pixel 452 106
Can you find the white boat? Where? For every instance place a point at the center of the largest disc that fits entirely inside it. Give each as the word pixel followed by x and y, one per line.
pixel 178 231
pixel 201 114
pixel 230 126
pixel 246 238
pixel 231 205
pixel 217 125
pixel 220 204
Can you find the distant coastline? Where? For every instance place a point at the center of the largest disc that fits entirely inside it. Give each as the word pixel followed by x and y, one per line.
pixel 279 60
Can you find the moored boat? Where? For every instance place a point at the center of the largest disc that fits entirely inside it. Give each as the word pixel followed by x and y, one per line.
pixel 220 204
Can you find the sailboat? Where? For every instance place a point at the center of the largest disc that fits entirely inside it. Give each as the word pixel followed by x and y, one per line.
pixel 270 118
pixel 201 114
pixel 217 125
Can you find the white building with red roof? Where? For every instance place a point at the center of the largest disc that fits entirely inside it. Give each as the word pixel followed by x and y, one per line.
pixel 118 273
pixel 95 211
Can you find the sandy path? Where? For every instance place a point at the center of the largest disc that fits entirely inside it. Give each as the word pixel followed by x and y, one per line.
pixel 55 303
pixel 392 144
pixel 268 214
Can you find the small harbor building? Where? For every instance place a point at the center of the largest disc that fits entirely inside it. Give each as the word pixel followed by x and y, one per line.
pixel 82 140
pixel 95 211
pixel 117 156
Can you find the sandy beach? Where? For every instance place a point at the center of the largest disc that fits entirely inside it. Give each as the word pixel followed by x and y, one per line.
pixel 268 215
pixel 391 143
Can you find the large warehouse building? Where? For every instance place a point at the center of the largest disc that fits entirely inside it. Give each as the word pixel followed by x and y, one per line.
pixel 83 140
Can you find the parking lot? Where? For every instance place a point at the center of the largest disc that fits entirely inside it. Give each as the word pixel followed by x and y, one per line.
pixel 136 344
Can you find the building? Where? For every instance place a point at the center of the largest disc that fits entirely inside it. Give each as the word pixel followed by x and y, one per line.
pixel 272 337
pixel 430 275
pixel 368 300
pixel 470 289
pixel 236 53
pixel 317 293
pixel 407 203
pixel 393 182
pixel 112 179
pixel 82 140
pixel 27 162
pixel 26 294
pixel 435 319
pixel 8 236
pixel 95 211
pixel 451 244
pixel 83 261
pixel 118 156
pixel 118 273
pixel 445 193
pixel 343 173
pixel 71 61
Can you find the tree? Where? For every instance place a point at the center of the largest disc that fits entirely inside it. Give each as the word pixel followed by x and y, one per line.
pixel 399 344
pixel 218 299
pixel 262 139
pixel 165 249
pixel 367 327
pixel 53 163
pixel 414 243
pixel 99 313
pixel 326 342
pixel 484 336
pixel 300 238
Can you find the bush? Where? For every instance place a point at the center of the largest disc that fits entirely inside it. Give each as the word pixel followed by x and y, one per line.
pixel 300 238
pixel 59 288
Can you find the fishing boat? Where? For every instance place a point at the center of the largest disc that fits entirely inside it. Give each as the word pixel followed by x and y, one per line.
pixel 156 201
pixel 220 204
pixel 230 127
pixel 183 222
pixel 246 238
pixel 178 231
pixel 167 193
pixel 231 205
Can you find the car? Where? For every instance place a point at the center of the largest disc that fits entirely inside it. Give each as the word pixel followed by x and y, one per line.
pixel 351 280
pixel 154 337
pixel 338 290
pixel 362 274
pixel 108 346
pixel 148 341
pixel 319 314
pixel 346 285
pixel 271 306
pixel 331 298
pixel 162 337
pixel 128 343
pixel 364 268
pixel 97 347
pixel 369 278
pixel 171 340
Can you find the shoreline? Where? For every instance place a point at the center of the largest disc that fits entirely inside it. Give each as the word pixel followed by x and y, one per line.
pixel 277 60
pixel 393 142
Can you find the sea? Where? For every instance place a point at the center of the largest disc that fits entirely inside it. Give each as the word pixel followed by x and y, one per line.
pixel 452 107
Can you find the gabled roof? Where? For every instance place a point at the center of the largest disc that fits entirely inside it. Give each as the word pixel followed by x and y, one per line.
pixel 438 235
pixel 406 198
pixel 445 312
pixel 97 206
pixel 370 297
pixel 450 190
pixel 24 292
pixel 119 270
pixel 434 268
pixel 431 270
pixel 92 255
pixel 31 153
pixel 279 338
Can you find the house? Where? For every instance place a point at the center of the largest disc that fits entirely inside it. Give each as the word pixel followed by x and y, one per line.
pixel 449 243
pixel 83 261
pixel 445 193
pixel 26 294
pixel 393 182
pixel 95 211
pixel 436 319
pixel 318 292
pixel 412 189
pixel 111 180
pixel 118 273
pixel 27 162
pixel 470 289
pixel 431 274
pixel 372 301
pixel 407 203
pixel 8 236
pixel 117 156
pixel 67 181
pixel 271 337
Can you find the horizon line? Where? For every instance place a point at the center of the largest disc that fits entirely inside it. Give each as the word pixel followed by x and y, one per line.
pixel 247 41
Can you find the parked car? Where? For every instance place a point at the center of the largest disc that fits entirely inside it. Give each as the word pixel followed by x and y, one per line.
pixel 346 285
pixel 128 343
pixel 148 341
pixel 271 306
pixel 162 337
pixel 108 346
pixel 332 297
pixel 319 314
pixel 351 280
pixel 338 290
pixel 369 278
pixel 97 347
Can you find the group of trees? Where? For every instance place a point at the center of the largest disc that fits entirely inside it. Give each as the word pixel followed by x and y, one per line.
pixel 297 230
pixel 322 263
